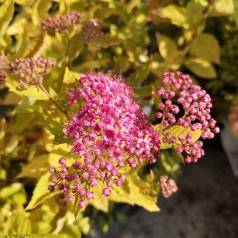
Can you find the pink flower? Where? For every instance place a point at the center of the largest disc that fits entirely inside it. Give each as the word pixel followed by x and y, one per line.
pixel 194 106
pixel 108 133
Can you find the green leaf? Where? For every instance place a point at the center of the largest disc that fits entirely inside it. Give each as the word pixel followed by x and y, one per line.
pixel 206 47
pixel 222 8
pixel 194 11
pixel 99 202
pixel 135 191
pixel 22 223
pixel 175 14
pixel 11 145
pixel 201 68
pixel 176 131
pixel 235 2
pixel 140 75
pixel 169 51
pixel 68 76
pixel 105 41
pixel 40 193
pixel 10 190
pixel 38 166
pixel 31 92
pixel 6 13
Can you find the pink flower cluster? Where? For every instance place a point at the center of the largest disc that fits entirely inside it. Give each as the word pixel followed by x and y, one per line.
pixel 189 106
pixel 91 30
pixel 53 24
pixel 109 132
pixel 31 70
pixel 168 186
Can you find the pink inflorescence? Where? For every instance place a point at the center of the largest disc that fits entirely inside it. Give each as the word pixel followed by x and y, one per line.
pixel 168 186
pixel 53 24
pixel 181 96
pixel 31 70
pixel 109 132
pixel 91 30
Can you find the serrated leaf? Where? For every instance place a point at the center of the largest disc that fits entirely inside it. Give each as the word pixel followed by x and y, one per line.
pixel 201 68
pixel 31 92
pixel 206 47
pixel 175 14
pixel 169 51
pixel 135 191
pixel 176 131
pixel 68 76
pixel 100 202
pixel 40 193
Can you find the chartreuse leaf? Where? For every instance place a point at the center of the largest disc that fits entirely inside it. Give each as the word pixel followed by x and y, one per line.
pixel 175 14
pixel 40 193
pixel 99 202
pixel 222 8
pixel 6 13
pixel 135 191
pixel 201 68
pixel 40 10
pixel 194 11
pixel 10 190
pixel 176 131
pixel 38 166
pixel 68 76
pixel 22 223
pixel 31 92
pixel 206 47
pixel 169 51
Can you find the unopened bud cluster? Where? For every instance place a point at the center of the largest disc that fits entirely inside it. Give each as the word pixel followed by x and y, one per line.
pixel 31 70
pixel 189 106
pixel 109 132
pixel 91 30
pixel 168 186
pixel 58 24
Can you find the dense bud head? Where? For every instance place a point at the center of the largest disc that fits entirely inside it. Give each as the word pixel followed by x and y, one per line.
pixel 31 70
pixel 91 30
pixel 187 105
pixel 58 24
